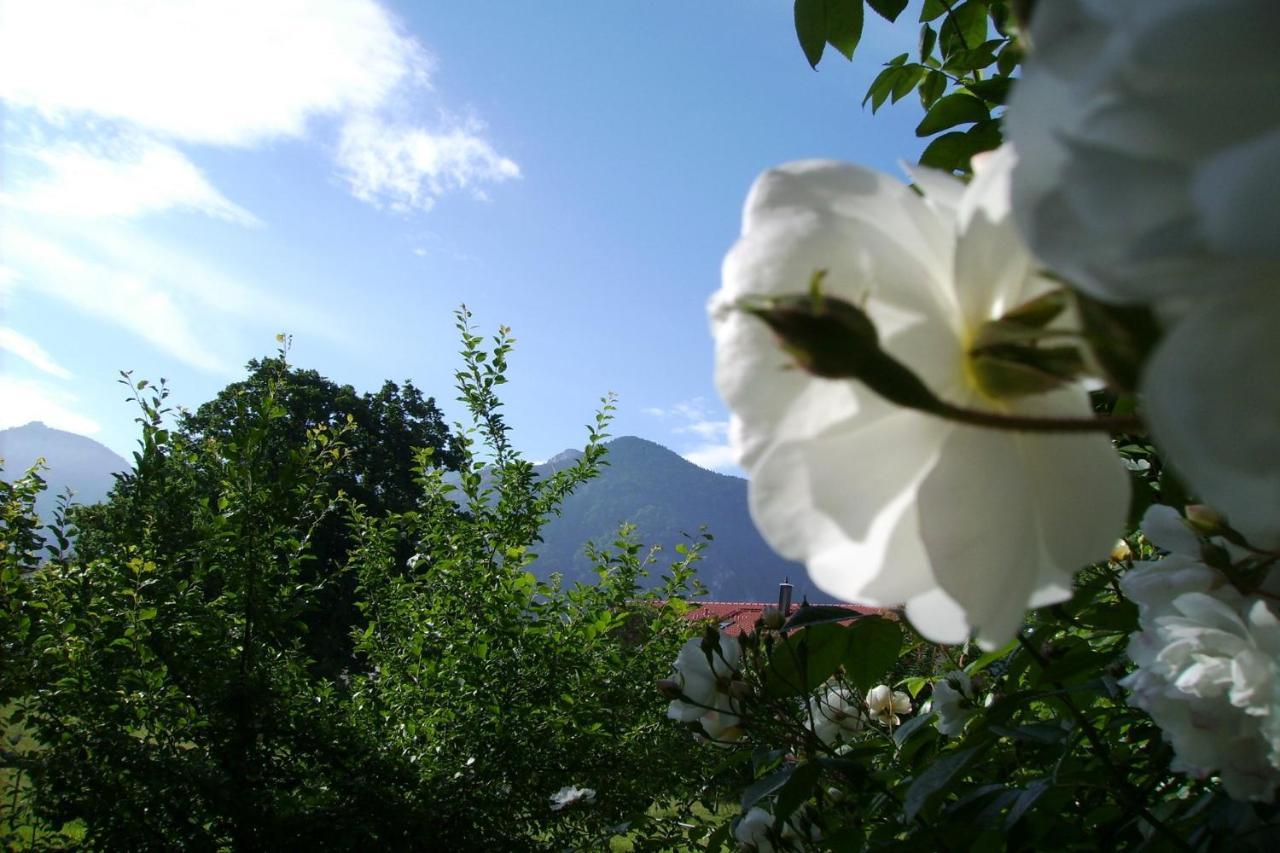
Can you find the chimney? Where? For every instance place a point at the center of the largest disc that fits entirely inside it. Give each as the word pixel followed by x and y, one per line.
pixel 784 598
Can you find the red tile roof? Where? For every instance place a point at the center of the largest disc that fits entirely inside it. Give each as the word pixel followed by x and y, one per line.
pixel 736 617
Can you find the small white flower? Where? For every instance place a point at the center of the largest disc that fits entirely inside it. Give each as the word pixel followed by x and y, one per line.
pixel 967 526
pixel 704 680
pixel 835 716
pixel 952 702
pixel 1147 176
pixel 884 705
pixel 571 795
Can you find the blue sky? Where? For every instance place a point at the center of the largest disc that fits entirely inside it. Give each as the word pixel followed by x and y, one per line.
pixel 181 180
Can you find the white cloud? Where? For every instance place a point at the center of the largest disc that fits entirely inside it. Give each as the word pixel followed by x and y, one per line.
pixel 221 72
pixel 717 457
pixel 31 352
pixel 122 177
pixel 243 73
pixel 405 167
pixel 696 417
pixel 26 401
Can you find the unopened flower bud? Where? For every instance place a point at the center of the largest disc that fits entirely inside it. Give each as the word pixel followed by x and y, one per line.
pixel 1121 551
pixel 669 688
pixel 1204 520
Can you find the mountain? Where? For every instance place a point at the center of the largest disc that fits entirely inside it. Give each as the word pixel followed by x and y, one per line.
pixel 73 461
pixel 666 497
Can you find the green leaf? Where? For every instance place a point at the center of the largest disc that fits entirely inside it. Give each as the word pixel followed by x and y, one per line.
pixel 951 110
pixel 993 89
pixel 762 788
pixel 796 790
pixel 873 646
pixel 933 8
pixel 972 59
pixel 934 779
pixel 964 28
pixel 811 28
pixel 1026 799
pixel 952 151
pixel 932 87
pixel 805 659
pixel 928 39
pixel 816 614
pixel 844 25
pixel 908 77
pixel 888 9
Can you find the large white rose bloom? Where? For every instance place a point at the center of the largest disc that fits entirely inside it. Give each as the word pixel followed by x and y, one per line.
pixel 1149 136
pixel 705 684
pixel 1207 665
pixel 885 704
pixel 967 527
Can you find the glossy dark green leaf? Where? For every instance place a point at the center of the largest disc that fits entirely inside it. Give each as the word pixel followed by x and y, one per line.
pixel 844 25
pixel 953 151
pixel 796 790
pixel 805 659
pixel 928 40
pixel 888 9
pixel 817 614
pixel 932 87
pixel 762 788
pixel 933 9
pixel 951 110
pixel 964 27
pixel 811 28
pixel 873 646
pixel 935 778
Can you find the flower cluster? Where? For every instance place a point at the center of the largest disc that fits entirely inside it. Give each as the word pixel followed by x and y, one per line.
pixel 705 670
pixel 1207 664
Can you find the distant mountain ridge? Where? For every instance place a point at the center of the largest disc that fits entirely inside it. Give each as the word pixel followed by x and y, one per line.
pixel 73 461
pixel 665 496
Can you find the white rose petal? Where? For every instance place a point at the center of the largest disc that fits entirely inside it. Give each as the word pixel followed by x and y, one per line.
pixel 1148 175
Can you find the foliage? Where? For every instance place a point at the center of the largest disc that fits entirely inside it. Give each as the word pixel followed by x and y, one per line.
pixel 173 700
pixel 369 441
pixel 963 71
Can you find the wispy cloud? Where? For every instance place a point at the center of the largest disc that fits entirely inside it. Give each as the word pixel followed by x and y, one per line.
pixel 126 177
pixel 31 352
pixel 26 400
pixel 124 297
pixel 695 417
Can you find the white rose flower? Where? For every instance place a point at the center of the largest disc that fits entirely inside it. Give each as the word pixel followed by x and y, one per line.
pixel 952 702
pixel 753 831
pixel 571 795
pixel 1207 666
pixel 835 716
pixel 884 705
pixel 968 527
pixel 705 687
pixel 1146 176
